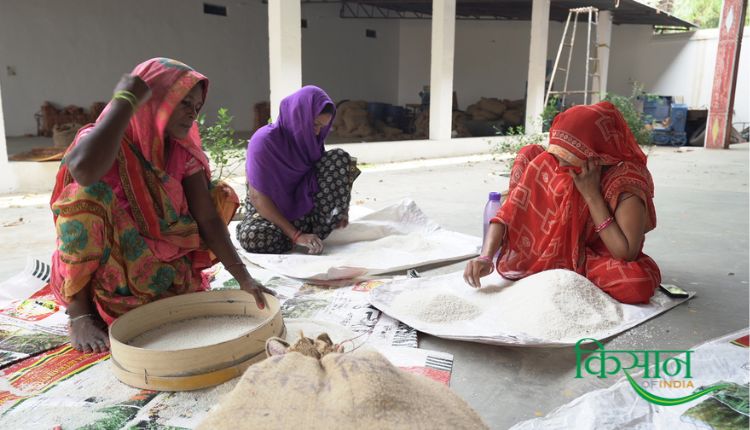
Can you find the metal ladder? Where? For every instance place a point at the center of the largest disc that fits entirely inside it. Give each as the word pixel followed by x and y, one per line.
pixel 592 62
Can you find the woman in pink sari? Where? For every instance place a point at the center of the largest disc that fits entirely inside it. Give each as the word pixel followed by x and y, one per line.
pixel 137 217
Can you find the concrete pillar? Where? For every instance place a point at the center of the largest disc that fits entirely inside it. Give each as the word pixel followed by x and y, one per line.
pixel 285 50
pixel 604 38
pixel 441 68
pixel 535 87
pixel 8 179
pixel 3 144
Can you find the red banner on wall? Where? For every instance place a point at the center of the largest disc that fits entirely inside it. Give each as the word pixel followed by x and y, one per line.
pixel 718 128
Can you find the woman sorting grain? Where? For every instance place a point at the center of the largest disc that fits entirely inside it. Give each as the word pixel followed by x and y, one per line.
pixel 297 193
pixel 584 204
pixel 137 218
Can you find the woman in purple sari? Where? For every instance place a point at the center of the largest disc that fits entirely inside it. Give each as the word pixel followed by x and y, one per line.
pixel 297 192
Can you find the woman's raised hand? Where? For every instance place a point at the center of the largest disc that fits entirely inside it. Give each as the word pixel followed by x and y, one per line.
pixel 312 242
pixel 588 181
pixel 134 84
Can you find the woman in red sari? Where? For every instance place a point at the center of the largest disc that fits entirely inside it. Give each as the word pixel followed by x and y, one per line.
pixel 136 215
pixel 584 204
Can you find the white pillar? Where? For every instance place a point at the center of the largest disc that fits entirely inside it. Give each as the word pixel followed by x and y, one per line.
pixel 8 180
pixel 285 50
pixel 3 143
pixel 535 87
pixel 441 68
pixel 604 38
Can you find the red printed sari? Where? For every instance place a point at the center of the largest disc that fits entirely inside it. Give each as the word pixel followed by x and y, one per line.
pixel 130 236
pixel 548 222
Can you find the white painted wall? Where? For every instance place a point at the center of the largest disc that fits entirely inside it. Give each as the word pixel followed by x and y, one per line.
pixel 677 64
pixel 74 51
pixel 337 56
pixel 492 61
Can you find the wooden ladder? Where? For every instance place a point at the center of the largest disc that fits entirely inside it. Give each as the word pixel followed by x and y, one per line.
pixel 592 60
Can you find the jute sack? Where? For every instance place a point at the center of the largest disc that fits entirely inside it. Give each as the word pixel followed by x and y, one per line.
pixel 492 105
pixel 357 390
pixel 513 117
pixel 483 115
pixel 64 134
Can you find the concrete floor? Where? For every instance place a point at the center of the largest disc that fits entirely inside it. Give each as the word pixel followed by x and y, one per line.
pixel 700 243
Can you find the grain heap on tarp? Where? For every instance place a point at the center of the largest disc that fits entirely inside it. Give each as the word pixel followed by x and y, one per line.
pixel 554 304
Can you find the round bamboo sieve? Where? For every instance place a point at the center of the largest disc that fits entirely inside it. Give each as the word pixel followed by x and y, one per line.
pixel 192 368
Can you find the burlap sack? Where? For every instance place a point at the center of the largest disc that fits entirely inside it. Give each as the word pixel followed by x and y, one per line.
pixel 492 105
pixel 513 117
pixel 472 108
pixel 63 134
pixel 359 390
pixel 422 124
pixel 519 104
pixel 459 124
pixel 484 115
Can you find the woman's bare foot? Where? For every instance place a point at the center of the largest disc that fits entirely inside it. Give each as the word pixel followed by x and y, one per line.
pixel 88 334
pixel 344 222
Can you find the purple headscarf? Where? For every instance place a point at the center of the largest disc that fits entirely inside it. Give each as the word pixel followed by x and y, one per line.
pixel 281 156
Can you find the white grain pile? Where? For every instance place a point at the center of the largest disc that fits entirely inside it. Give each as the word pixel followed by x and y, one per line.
pixel 551 305
pixel 195 332
pixel 445 308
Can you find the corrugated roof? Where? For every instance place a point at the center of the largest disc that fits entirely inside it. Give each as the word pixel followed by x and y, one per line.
pixel 623 11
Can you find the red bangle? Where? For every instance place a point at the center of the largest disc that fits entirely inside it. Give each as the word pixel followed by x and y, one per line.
pixel 484 258
pixel 604 224
pixel 296 236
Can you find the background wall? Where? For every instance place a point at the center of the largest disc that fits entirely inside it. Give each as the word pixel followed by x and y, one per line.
pixel 492 61
pixel 74 52
pixel 337 56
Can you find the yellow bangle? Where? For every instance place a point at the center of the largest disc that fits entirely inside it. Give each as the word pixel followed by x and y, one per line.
pixel 128 97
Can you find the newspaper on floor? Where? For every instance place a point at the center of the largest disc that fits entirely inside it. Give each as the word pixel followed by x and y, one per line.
pixel 31 319
pixel 350 308
pixel 486 328
pixel 721 364
pixel 395 238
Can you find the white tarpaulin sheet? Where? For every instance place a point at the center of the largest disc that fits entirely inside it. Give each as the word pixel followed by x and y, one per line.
pixel 395 238
pixel 619 407
pixel 486 328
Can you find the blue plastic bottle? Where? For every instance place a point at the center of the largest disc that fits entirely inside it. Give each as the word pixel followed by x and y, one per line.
pixel 490 210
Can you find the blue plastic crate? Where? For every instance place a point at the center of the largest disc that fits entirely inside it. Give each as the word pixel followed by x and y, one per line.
pixel 656 108
pixel 661 137
pixel 678 117
pixel 678 138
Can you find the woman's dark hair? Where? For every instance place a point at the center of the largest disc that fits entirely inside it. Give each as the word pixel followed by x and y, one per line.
pixel 328 108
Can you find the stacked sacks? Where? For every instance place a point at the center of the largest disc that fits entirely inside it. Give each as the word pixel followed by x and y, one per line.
pixel 422 124
pixel 491 109
pixel 459 124
pixel 351 120
pixel 52 116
